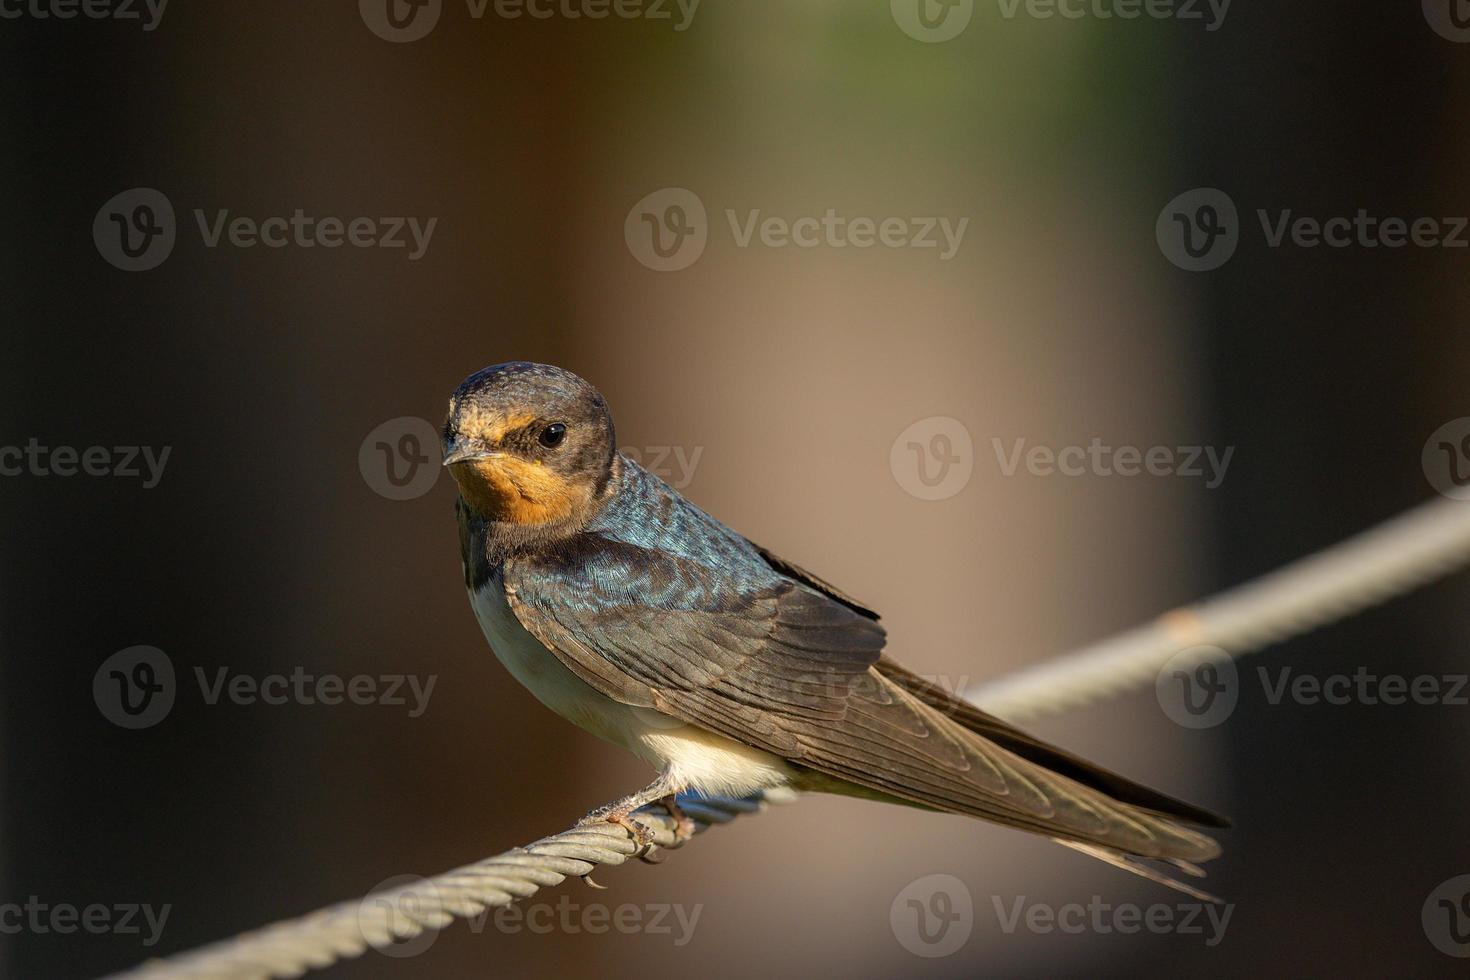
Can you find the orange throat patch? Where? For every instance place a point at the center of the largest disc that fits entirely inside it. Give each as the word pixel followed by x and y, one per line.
pixel 513 490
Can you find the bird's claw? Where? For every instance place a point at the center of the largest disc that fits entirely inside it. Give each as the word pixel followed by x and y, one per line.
pixel 684 825
pixel 642 834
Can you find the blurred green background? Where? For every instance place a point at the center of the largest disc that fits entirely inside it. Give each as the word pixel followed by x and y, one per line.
pixel 792 371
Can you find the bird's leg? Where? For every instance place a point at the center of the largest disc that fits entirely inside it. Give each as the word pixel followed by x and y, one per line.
pixel 620 811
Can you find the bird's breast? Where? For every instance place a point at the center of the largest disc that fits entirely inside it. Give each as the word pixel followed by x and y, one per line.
pixel 538 669
pixel 693 758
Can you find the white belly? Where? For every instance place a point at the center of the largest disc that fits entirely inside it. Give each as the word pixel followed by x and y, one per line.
pixel 692 757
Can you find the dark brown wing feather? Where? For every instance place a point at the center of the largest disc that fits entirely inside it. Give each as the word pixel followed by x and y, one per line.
pixel 794 571
pixel 1003 733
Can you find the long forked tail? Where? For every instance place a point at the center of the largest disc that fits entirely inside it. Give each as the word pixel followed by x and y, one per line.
pixel 1177 847
pixel 1137 866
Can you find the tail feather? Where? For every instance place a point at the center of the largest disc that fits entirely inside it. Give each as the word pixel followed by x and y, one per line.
pixel 1136 866
pixel 1033 749
pixel 1136 828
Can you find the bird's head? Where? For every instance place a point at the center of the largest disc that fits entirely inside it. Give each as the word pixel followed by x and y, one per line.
pixel 530 445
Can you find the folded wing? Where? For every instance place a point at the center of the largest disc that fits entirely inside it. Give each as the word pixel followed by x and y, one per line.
pixel 775 663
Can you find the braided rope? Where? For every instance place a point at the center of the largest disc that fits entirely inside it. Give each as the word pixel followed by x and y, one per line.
pixel 321 938
pixel 1401 554
pixel 1397 556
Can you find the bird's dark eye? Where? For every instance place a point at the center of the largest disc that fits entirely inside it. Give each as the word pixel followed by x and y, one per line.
pixel 553 434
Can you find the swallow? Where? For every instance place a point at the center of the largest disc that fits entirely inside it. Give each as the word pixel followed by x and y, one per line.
pixel 632 613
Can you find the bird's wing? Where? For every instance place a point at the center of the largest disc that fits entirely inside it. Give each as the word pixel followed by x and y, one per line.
pixel 1001 732
pixel 794 571
pixel 773 663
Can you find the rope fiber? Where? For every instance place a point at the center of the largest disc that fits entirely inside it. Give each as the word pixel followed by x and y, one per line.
pixel 1395 557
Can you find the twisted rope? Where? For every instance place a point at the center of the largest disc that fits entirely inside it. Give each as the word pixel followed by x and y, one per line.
pixel 1399 555
pixel 1413 549
pixel 321 938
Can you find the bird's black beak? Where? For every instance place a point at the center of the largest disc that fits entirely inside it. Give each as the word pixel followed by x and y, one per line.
pixel 462 451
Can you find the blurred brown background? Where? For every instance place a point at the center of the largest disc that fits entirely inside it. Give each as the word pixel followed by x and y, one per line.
pixel 791 371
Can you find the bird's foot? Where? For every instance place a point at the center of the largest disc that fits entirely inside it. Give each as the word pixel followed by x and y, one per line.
pixel 641 832
pixel 684 825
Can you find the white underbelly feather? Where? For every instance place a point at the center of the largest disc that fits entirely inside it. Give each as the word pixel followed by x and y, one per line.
pixel 694 758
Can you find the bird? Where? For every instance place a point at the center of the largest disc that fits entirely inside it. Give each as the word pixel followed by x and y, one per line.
pixel 634 614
